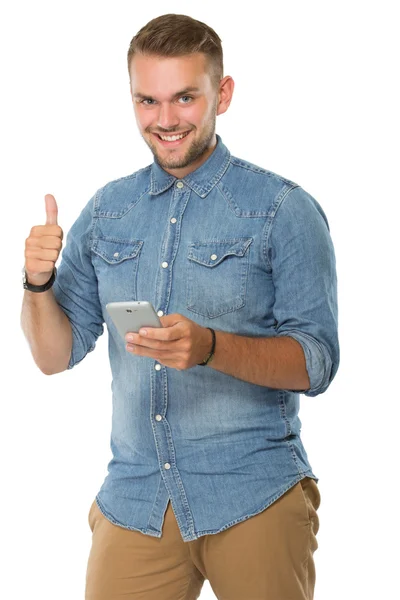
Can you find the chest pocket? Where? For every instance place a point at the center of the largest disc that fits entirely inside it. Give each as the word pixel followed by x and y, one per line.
pixel 217 276
pixel 116 264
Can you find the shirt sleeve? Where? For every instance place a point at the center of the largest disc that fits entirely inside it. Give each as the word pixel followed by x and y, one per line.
pixel 75 288
pixel 302 259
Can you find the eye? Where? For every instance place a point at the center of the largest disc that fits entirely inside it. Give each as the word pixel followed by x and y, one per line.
pixel 146 101
pixel 187 97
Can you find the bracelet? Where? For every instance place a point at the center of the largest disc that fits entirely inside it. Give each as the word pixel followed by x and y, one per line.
pixel 38 288
pixel 210 355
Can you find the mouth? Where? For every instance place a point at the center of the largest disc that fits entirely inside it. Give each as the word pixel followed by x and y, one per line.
pixel 171 140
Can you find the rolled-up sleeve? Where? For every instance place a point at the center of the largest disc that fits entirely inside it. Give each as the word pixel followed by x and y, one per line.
pixel 75 288
pixel 303 264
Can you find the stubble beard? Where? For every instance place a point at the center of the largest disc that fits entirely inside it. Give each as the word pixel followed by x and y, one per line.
pixel 196 149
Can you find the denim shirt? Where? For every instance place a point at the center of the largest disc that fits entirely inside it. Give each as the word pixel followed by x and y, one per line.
pixel 231 246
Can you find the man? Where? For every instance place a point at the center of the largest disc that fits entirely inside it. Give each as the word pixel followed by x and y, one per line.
pixel 209 478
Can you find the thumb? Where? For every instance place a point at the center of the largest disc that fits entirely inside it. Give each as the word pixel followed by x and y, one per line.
pixel 172 319
pixel 51 210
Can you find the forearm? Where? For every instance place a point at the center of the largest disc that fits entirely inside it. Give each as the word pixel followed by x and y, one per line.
pixel 276 362
pixel 48 331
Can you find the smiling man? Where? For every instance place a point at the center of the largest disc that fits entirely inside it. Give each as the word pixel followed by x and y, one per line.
pixel 209 477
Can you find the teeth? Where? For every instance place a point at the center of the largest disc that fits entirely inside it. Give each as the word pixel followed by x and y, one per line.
pixel 172 138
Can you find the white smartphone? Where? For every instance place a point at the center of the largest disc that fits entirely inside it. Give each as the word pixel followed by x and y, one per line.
pixel 132 315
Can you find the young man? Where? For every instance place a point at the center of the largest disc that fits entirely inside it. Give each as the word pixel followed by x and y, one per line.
pixel 209 477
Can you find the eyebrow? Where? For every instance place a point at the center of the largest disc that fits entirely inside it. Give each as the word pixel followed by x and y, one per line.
pixel 181 93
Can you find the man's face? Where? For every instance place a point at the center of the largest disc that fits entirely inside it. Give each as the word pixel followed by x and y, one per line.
pixel 174 96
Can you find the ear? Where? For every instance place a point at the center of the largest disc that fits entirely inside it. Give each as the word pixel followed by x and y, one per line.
pixel 226 87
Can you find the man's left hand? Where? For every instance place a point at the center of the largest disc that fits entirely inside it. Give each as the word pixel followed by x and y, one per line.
pixel 180 343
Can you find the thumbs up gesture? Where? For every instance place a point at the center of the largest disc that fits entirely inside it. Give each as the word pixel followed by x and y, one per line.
pixel 43 246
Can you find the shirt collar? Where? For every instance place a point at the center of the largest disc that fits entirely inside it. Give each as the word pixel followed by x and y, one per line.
pixel 201 181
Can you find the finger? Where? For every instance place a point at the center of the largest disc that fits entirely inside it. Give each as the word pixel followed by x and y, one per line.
pixel 143 342
pixel 160 355
pixel 172 319
pixel 166 358
pixel 51 209
pixel 161 333
pixel 52 242
pixel 42 254
pixel 47 231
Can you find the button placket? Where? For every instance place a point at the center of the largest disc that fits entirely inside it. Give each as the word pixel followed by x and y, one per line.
pixel 180 197
pixel 180 185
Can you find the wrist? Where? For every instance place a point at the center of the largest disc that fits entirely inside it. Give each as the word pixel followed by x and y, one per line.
pixel 42 287
pixel 37 279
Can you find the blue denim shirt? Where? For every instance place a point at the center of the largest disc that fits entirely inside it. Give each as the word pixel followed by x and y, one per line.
pixel 231 246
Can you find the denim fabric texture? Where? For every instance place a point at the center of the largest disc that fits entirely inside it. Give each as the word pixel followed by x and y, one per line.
pixel 247 252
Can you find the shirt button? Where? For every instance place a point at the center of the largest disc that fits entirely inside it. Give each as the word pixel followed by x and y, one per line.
pixel 173 220
pixel 157 367
pixel 167 466
pixel 179 184
pixel 160 313
pixel 164 265
pixel 158 417
pixel 213 256
pixel 116 254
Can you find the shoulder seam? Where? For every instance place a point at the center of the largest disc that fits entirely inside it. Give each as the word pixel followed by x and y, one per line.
pixel 270 220
pixel 130 176
pixel 238 162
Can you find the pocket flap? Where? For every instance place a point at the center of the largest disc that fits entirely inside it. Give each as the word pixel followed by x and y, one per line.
pixel 116 251
pixel 211 254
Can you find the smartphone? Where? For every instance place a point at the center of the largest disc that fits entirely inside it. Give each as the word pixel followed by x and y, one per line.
pixel 132 315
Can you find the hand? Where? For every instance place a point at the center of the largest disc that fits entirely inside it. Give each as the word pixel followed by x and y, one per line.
pixel 43 246
pixel 180 343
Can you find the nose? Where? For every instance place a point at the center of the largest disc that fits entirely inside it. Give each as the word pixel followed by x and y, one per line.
pixel 167 117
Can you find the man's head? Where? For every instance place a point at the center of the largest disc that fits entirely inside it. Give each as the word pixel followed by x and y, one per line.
pixel 175 65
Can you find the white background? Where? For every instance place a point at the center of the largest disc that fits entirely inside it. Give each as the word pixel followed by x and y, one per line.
pixel 315 101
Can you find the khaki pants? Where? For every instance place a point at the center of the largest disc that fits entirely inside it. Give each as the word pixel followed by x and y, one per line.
pixel 267 557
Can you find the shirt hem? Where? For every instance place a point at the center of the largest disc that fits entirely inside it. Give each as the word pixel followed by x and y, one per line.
pixel 198 534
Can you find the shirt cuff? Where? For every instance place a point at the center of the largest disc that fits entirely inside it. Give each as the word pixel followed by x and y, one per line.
pixel 318 362
pixel 79 350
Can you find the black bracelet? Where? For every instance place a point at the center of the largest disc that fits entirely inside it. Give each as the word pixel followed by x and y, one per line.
pixel 38 288
pixel 211 354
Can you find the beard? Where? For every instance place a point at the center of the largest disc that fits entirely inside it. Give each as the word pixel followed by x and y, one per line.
pixel 197 148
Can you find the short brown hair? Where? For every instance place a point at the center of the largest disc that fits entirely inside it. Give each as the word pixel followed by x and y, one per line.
pixel 178 35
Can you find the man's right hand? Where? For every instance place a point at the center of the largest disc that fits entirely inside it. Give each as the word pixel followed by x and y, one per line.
pixel 43 246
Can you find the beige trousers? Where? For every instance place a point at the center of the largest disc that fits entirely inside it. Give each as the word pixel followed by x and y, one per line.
pixel 267 557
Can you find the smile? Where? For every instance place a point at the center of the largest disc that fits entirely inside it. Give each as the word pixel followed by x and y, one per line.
pixel 173 138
